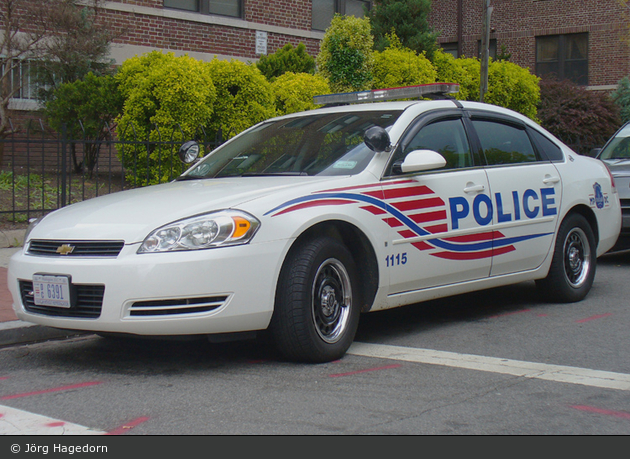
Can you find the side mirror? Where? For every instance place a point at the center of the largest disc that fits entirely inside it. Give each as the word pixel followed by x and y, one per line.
pixel 377 139
pixel 594 152
pixel 422 160
pixel 189 152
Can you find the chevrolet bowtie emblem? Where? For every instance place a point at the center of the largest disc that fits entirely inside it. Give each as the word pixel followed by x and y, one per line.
pixel 65 249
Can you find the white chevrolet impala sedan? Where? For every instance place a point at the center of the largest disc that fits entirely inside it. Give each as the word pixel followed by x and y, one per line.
pixel 303 222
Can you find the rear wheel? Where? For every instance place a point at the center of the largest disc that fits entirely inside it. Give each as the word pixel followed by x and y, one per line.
pixel 574 261
pixel 317 303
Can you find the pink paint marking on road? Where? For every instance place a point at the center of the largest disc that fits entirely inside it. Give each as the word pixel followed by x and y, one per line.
pixel 55 424
pixel 128 426
pixel 510 313
pixel 388 367
pixel 593 409
pixel 54 389
pixel 598 316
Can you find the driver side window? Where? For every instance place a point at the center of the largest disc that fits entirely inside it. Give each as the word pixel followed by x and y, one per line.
pixel 448 138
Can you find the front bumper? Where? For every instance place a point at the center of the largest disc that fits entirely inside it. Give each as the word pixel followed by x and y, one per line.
pixel 222 290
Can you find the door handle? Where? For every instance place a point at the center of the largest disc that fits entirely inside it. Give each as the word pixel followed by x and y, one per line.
pixel 550 180
pixel 471 188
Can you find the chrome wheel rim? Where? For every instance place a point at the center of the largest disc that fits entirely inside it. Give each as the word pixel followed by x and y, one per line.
pixel 332 300
pixel 577 257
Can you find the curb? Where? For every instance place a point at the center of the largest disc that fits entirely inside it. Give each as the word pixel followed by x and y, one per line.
pixel 11 238
pixel 19 332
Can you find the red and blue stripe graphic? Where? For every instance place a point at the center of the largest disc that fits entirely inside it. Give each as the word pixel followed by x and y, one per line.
pixel 414 211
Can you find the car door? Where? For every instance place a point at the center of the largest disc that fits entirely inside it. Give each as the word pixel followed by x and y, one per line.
pixel 435 239
pixel 525 190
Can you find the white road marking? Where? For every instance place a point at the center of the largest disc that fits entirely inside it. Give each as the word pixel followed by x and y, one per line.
pixel 557 373
pixel 18 422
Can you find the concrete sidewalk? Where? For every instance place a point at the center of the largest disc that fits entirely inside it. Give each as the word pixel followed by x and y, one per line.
pixel 12 330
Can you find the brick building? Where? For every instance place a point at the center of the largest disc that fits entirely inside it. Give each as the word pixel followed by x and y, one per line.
pixel 241 29
pixel 583 40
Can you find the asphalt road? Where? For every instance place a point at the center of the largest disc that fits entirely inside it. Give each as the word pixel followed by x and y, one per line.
pixel 496 362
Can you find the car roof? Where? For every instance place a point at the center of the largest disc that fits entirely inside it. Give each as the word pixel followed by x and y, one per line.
pixel 410 109
pixel 417 106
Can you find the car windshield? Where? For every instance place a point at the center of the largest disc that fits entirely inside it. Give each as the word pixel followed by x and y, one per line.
pixel 618 147
pixel 317 144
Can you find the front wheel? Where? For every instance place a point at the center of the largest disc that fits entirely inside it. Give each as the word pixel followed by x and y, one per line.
pixel 317 305
pixel 574 261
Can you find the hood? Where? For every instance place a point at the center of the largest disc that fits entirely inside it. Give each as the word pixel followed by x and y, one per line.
pixel 131 215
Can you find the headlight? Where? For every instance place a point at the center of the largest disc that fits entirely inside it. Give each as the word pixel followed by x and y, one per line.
pixel 32 223
pixel 216 229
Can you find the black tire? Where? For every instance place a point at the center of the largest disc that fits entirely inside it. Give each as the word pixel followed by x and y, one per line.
pixel 574 262
pixel 317 303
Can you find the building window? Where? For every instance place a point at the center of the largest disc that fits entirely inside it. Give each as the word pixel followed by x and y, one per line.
pixel 492 48
pixel 232 8
pixel 563 56
pixel 324 10
pixel 21 83
pixel 451 48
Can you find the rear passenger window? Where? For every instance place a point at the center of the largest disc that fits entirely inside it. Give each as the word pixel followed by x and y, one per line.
pixel 503 143
pixel 550 149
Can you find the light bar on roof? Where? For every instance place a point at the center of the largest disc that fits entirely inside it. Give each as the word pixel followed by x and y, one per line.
pixel 378 95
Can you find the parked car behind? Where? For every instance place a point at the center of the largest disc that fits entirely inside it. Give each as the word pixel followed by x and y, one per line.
pixel 616 155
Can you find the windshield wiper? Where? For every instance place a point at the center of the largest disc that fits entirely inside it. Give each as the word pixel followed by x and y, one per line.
pixel 183 178
pixel 263 174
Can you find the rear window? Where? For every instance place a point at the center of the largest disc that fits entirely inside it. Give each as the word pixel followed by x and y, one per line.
pixel 549 149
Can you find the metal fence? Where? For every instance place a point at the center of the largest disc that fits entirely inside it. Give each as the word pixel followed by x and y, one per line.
pixel 42 170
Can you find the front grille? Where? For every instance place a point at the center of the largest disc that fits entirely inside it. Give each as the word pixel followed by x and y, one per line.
pixel 625 203
pixel 79 248
pixel 176 306
pixel 86 304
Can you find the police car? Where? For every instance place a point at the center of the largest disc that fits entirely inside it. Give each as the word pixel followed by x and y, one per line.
pixel 303 222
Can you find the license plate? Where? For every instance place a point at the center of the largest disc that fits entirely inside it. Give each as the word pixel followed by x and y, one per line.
pixel 51 290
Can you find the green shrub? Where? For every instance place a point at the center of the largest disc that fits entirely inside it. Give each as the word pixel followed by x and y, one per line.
pixel 346 57
pixel 397 66
pixel 513 87
pixel 165 98
pixel 509 85
pixel 472 67
pixel 621 97
pixel 244 96
pixel 95 102
pixel 286 59
pixel 581 118
pixel 451 70
pixel 294 91
pixel 408 20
